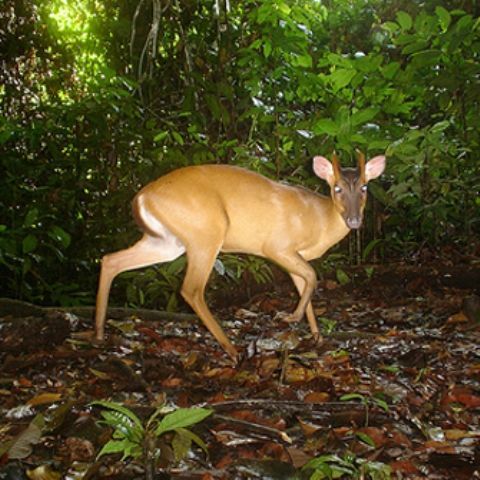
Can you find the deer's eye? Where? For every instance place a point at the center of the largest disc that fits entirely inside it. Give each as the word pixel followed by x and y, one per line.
pixel 337 189
pixel 363 188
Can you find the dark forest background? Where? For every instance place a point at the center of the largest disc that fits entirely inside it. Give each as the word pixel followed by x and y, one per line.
pixel 99 97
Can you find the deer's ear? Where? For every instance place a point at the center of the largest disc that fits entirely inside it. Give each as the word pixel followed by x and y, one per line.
pixel 375 167
pixel 323 168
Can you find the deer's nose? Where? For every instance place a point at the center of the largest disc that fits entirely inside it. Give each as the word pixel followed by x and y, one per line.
pixel 354 222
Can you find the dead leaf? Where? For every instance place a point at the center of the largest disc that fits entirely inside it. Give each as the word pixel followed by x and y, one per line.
pixel 457 318
pixel 44 399
pixel 78 449
pixel 268 366
pixel 443 447
pixel 207 476
pixel 377 435
pixel 226 460
pixel 172 382
pixel 469 400
pixel 456 434
pixel 404 466
pixel 274 450
pixel 220 373
pixel 99 374
pixel 317 397
pixel 44 472
pixel 298 457
pixel 462 395
pixel 24 382
pixel 331 285
pixel 308 428
pixel 190 359
pixel 126 327
pixel 21 446
pixel 319 311
pixel 399 438
pixel 245 314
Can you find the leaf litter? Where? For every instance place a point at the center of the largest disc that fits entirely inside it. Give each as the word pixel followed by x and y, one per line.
pixel 394 386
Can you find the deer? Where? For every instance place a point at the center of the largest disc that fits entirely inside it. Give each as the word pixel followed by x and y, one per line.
pixel 203 210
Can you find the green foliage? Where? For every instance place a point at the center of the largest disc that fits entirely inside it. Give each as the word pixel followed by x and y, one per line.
pixel 234 267
pixel 327 326
pixel 342 276
pixel 96 99
pixel 375 400
pixel 135 440
pixel 155 286
pixel 330 467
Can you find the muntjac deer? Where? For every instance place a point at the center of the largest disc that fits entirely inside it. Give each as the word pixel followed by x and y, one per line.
pixel 208 209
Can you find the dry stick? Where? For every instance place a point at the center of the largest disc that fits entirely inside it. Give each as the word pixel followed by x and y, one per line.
pixel 18 308
pixel 188 57
pixel 134 26
pixel 330 413
pixel 256 427
pixel 293 405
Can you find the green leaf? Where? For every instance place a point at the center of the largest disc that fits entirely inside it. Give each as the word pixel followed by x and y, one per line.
pixel 31 217
pixel 304 61
pixel 123 426
pixel 444 17
pixel 194 438
pixel 390 70
pixel 60 235
pixel 416 46
pixel 267 48
pixel 369 271
pixel 440 126
pixel 284 8
pixel 342 276
pixel 326 125
pixel 366 439
pixel 341 78
pixel 29 243
pixel 377 470
pixel 178 138
pixel 425 58
pixel 214 106
pixel 464 24
pixel 371 245
pixel 5 133
pixel 160 136
pixel 391 368
pixel 368 63
pixel 27 265
pixel 331 467
pixel 318 461
pixel 126 447
pixel 181 445
pixel 363 116
pixel 352 396
pixel 121 409
pixel 183 417
pixel 404 20
pixel 390 26
pixel 379 193
pixel 381 403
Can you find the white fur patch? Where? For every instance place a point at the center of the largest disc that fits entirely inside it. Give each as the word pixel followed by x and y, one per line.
pixel 171 245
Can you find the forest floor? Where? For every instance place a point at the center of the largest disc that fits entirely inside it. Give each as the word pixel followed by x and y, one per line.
pixel 392 392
